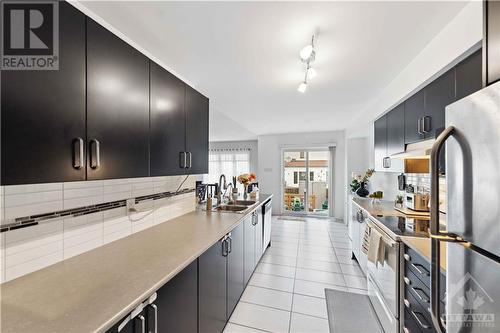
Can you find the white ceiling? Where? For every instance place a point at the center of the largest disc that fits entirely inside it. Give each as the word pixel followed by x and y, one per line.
pixel 244 55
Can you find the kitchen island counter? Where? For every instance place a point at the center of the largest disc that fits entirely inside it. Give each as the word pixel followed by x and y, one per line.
pixel 92 291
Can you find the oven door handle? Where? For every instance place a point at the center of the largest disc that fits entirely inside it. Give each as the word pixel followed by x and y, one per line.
pixel 386 239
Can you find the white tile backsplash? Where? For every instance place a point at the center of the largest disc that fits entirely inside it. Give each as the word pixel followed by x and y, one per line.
pixel 25 250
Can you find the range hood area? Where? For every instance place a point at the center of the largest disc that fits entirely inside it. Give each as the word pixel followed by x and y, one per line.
pixel 418 150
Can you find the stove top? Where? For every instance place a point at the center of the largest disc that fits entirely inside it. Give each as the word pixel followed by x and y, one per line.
pixel 405 226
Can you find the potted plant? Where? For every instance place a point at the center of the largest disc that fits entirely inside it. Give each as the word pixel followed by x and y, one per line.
pixel 358 183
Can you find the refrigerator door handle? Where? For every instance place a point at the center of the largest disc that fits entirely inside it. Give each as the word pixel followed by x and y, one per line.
pixel 434 229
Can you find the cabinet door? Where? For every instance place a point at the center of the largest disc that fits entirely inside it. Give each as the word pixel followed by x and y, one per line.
pixel 492 41
pixel 177 302
pixel 249 256
pixel 235 269
pixel 43 112
pixel 212 290
pixel 196 131
pixel 380 144
pixel 438 95
pixel 414 110
pixel 396 137
pixel 469 75
pixel 168 127
pixel 117 106
pixel 258 237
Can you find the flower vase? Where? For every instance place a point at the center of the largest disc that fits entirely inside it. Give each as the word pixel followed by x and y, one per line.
pixel 362 191
pixel 245 192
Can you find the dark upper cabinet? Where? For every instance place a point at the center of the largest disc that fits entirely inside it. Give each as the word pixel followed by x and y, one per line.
pixel 212 289
pixel 469 75
pixel 168 130
pixel 380 142
pixel 43 113
pixel 395 137
pixel 196 131
pixel 178 302
pixel 235 277
pixel 491 40
pixel 414 111
pixel 249 250
pixel 117 107
pixel 438 95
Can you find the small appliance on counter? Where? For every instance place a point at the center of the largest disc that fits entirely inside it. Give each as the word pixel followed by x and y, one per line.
pixel 417 201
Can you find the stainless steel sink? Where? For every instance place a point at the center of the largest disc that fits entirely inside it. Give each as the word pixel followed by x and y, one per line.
pixel 231 208
pixel 244 202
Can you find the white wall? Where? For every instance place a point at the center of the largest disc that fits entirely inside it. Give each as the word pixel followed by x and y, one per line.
pixel 269 170
pixel 251 144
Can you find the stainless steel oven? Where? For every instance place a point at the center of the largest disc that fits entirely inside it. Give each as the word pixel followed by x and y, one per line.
pixel 383 281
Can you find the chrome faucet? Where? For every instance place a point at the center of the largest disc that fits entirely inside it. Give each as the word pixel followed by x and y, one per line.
pixel 219 188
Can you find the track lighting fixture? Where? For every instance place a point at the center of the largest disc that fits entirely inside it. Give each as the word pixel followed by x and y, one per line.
pixel 307 55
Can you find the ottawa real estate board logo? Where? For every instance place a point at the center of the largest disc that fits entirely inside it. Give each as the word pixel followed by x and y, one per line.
pixel 30 35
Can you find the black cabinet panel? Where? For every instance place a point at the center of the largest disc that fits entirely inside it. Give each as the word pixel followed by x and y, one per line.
pixel 212 290
pixel 414 110
pixel 396 130
pixel 117 106
pixel 197 131
pixel 43 112
pixel 178 302
pixel 492 41
pixel 235 281
pixel 380 142
pixel 249 256
pixel 469 75
pixel 438 95
pixel 168 130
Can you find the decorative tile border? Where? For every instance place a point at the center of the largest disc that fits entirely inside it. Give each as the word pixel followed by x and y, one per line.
pixel 32 220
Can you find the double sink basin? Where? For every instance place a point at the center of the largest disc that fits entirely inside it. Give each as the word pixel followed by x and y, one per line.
pixel 236 206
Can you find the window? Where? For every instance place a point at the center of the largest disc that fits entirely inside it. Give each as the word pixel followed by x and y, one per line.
pixel 230 162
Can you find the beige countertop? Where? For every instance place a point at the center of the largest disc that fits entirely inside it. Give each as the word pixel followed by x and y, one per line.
pixel 423 247
pixel 92 291
pixel 383 207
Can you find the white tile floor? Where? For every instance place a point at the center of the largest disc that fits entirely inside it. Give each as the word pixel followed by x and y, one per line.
pixel 286 292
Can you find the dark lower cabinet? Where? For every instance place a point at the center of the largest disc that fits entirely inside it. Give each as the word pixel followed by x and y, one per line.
pixel 43 113
pixel 212 289
pixel 168 130
pixel 235 274
pixel 249 250
pixel 197 109
pixel 117 107
pixel 178 302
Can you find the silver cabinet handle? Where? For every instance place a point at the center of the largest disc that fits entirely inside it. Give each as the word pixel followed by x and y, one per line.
pixel 78 153
pixel 386 163
pixel 143 323
pixel 224 248
pixel 229 244
pixel 421 294
pixel 95 154
pixel 419 126
pixel 155 308
pixel 426 122
pixel 182 160
pixel 189 159
pixel 420 319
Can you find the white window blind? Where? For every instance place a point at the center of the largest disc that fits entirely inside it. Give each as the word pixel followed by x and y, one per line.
pixel 230 162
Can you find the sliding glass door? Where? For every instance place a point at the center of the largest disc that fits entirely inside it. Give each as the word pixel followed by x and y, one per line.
pixel 306 181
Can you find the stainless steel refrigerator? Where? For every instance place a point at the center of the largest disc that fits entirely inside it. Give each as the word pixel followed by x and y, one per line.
pixel 472 141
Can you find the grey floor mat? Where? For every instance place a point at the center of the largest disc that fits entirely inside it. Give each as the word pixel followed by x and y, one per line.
pixel 350 313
